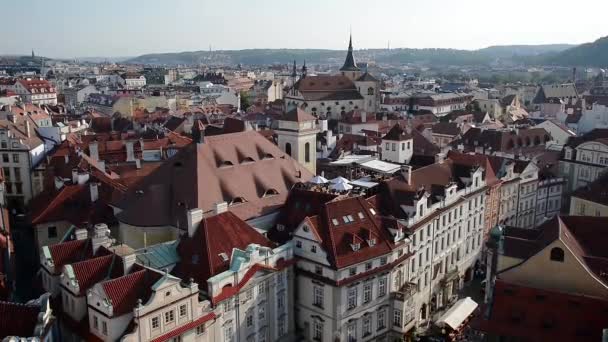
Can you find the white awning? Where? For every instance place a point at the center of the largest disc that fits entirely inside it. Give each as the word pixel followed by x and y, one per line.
pixel 458 313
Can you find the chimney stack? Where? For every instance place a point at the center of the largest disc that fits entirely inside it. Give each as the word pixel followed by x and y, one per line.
pixel 94 190
pixel 27 128
pixel 94 150
pixel 130 151
pixel 220 207
pixel 81 234
pixel 101 236
pixel 406 170
pixel 194 216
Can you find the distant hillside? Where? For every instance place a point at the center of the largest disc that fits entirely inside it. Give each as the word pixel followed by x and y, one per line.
pixel 590 54
pixel 526 54
pixel 507 51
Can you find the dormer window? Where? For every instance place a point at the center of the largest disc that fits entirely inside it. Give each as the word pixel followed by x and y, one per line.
pixel 361 216
pixel 237 200
pixel 224 256
pixel 372 211
pixel 280 227
pixel 355 246
pixel 226 163
pixel 247 160
pixel 335 222
pixel 371 242
pixel 270 192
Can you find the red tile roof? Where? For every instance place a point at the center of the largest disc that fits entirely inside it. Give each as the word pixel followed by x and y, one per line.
pixel 538 315
pixel 18 319
pixel 397 133
pixel 125 291
pixel 240 168
pixel 337 240
pixel 297 115
pixel 200 254
pixel 70 252
pixel 93 271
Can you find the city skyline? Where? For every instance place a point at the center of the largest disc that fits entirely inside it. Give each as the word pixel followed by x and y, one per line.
pixel 63 29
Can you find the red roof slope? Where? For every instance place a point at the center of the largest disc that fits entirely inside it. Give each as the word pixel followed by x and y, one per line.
pixel 538 315
pixel 337 240
pixel 18 319
pixel 200 254
pixel 244 169
pixel 92 271
pixel 126 290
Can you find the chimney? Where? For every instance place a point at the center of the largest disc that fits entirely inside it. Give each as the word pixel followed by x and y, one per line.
pixel 128 261
pixel 363 117
pixel 194 216
pixel 440 157
pixel 27 128
pixel 130 152
pixel 94 190
pixel 406 171
pixel 101 236
pixel 83 177
pixel 220 207
pixel 94 150
pixel 74 176
pixel 81 234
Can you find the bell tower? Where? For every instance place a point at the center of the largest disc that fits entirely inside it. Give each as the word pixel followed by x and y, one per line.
pixel 297 136
pixel 350 68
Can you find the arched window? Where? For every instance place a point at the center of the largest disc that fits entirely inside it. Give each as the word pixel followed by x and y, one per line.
pixel 370 91
pixel 557 254
pixel 288 149
pixel 307 152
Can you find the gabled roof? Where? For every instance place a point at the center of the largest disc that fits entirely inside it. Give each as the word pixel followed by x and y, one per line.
pixel 92 271
pixel 531 314
pixel 397 133
pixel 446 128
pixel 208 252
pixel 297 115
pixel 585 236
pixel 367 77
pixel 18 319
pixel 70 252
pixel 243 169
pixel 125 291
pixel 338 240
pixel 324 88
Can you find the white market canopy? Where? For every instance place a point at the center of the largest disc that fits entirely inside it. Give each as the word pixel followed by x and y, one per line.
pixel 458 313
pixel 318 180
pixel 340 180
pixel 341 186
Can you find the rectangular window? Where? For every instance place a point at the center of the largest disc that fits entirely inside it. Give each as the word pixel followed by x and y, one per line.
pixel 5 158
pixel 397 318
pixel 200 329
pixel 367 326
pixel 169 316
pixel 15 158
pixel 249 320
pixel 381 319
pixel 319 270
pixel 281 326
pixel 183 310
pixel 351 330
pixel 52 232
pixel 394 147
pixel 317 333
pixel 318 296
pixel 352 298
pixel 17 174
pixel 352 271
pixel 104 328
pixel 368 266
pixel 280 301
pixel 383 261
pixel 95 323
pixel 261 313
pixel 367 292
pixel 382 286
pixel 155 323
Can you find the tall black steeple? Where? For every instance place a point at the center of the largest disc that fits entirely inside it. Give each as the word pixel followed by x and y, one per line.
pixel 304 69
pixel 349 63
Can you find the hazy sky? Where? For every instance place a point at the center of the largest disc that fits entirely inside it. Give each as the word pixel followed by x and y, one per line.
pixel 86 28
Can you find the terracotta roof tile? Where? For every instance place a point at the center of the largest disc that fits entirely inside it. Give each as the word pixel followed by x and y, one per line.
pixel 18 319
pixel 125 291
pixel 201 254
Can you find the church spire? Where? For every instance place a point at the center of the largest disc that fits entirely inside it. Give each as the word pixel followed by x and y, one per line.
pixel 349 63
pixel 304 69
